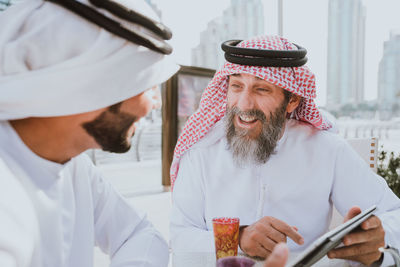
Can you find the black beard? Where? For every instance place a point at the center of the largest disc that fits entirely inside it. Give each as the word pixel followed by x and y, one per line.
pixel 254 150
pixel 110 130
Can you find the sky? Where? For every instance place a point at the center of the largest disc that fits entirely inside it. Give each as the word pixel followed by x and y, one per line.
pixel 305 22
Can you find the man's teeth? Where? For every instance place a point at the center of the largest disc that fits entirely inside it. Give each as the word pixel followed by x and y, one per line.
pixel 246 118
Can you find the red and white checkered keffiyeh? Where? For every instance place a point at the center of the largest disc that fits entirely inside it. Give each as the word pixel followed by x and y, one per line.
pixel 298 80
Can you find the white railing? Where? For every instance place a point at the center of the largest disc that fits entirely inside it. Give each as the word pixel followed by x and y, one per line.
pixel 367 128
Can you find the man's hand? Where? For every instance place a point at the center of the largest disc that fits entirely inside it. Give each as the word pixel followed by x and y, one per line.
pixel 278 256
pixel 260 238
pixel 361 245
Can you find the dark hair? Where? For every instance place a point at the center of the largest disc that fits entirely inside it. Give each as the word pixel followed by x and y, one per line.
pixel 115 108
pixel 287 95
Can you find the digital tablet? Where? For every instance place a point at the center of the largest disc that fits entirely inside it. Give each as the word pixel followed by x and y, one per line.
pixel 320 247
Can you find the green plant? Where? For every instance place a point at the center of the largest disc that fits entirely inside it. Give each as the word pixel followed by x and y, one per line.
pixel 389 169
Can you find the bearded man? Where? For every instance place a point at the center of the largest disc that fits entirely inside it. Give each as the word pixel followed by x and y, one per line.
pixel 74 75
pixel 259 149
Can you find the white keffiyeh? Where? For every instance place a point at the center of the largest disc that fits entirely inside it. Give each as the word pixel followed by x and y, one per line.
pixel 54 63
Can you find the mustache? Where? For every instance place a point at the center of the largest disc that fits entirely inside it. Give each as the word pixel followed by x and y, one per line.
pixel 259 149
pixel 256 113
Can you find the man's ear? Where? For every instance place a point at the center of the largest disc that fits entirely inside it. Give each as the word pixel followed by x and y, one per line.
pixel 294 102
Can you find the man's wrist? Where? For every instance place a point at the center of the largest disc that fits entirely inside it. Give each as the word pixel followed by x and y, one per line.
pixel 378 262
pixel 241 229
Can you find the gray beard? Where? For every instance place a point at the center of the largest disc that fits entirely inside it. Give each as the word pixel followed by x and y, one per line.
pixel 247 150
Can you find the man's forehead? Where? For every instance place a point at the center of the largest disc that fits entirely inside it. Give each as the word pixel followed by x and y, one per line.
pixel 240 75
pixel 256 78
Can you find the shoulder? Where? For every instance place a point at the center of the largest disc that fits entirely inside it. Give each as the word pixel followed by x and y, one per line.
pixel 214 135
pixel 210 141
pixel 83 168
pixel 89 177
pixel 17 215
pixel 84 160
pixel 210 146
pixel 11 189
pixel 303 132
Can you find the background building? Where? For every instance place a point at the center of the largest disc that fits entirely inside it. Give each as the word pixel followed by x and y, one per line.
pixel 346 39
pixel 243 19
pixel 389 77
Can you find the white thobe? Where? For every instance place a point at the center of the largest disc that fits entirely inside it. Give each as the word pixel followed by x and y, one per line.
pixel 311 172
pixel 75 209
pixel 19 225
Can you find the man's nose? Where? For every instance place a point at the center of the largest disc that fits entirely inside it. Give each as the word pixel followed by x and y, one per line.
pixel 245 101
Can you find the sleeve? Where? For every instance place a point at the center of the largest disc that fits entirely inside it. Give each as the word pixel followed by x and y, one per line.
pixel 188 227
pixel 356 184
pixel 124 233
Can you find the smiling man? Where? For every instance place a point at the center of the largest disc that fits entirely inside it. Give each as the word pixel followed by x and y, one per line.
pixel 74 75
pixel 249 134
pixel 259 149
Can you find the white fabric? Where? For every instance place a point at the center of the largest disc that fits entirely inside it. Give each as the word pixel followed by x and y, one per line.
pixel 19 223
pixel 76 210
pixel 53 63
pixel 311 171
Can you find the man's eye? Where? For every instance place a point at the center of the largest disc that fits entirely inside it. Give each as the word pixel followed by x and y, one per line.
pixel 262 89
pixel 234 85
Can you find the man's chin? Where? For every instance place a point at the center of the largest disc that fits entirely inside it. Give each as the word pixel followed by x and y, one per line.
pixel 125 146
pixel 121 148
pixel 247 134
